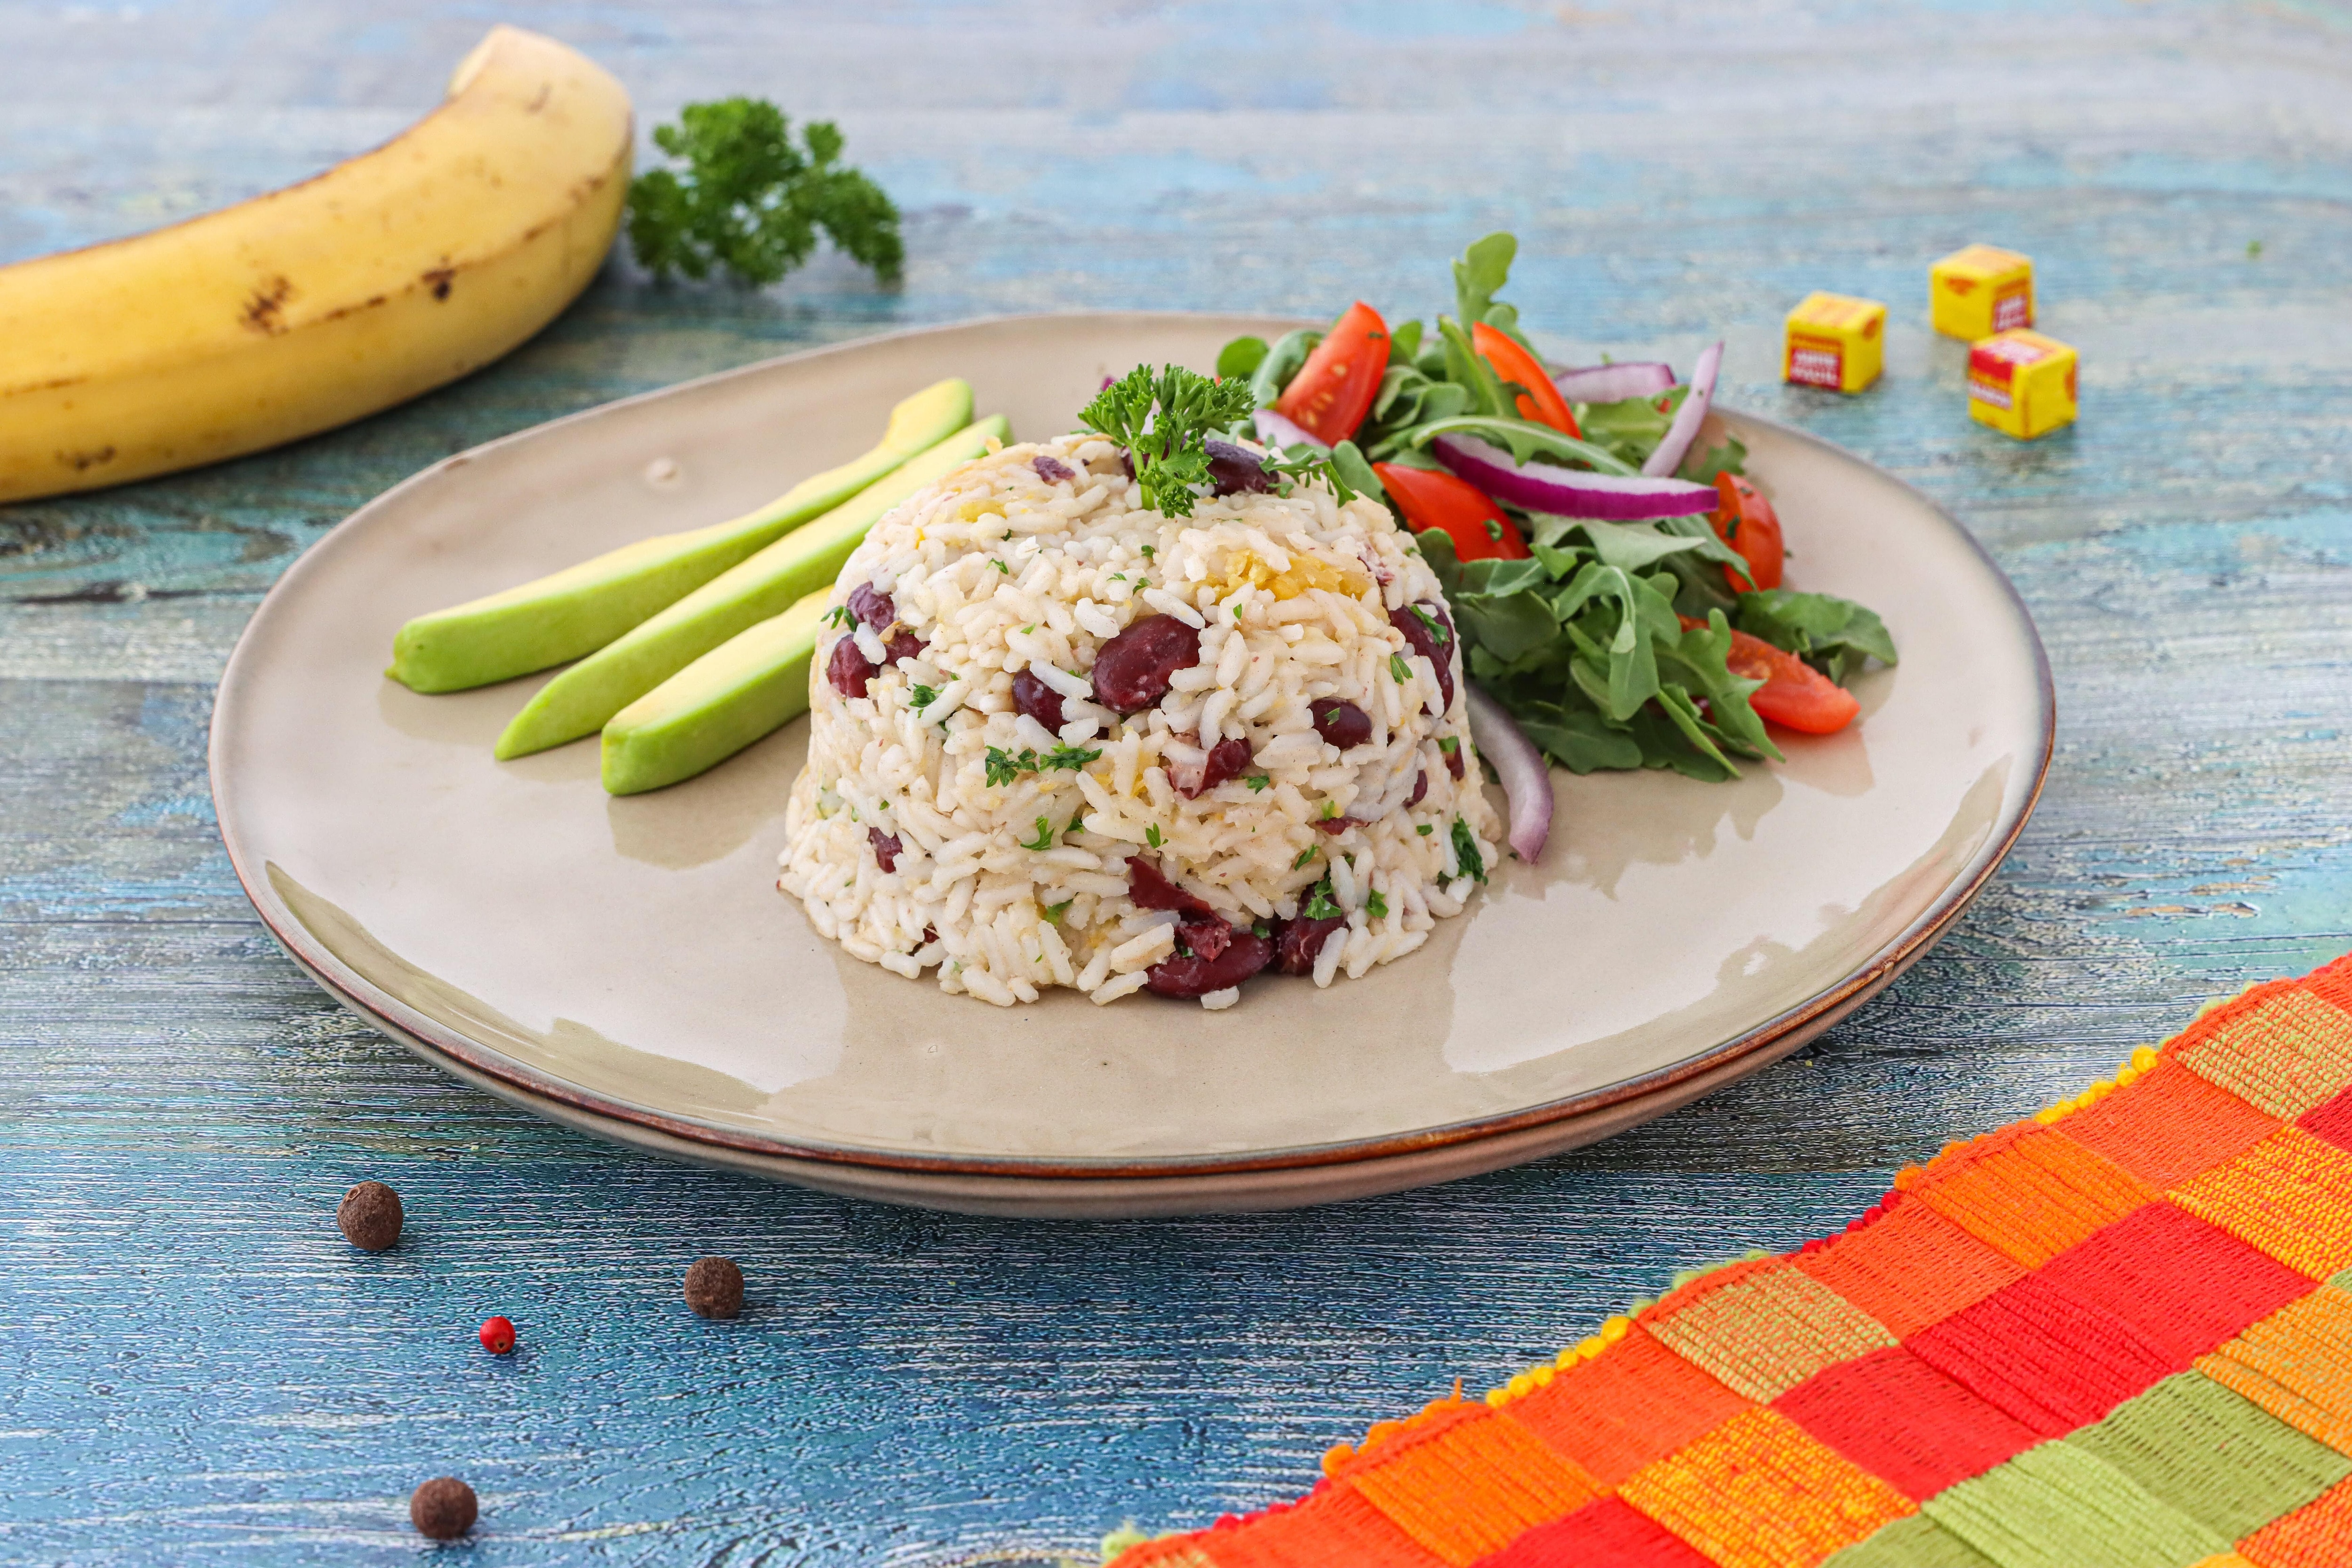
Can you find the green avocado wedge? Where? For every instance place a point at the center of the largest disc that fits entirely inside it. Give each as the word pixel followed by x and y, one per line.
pixel 748 687
pixel 584 697
pixel 580 609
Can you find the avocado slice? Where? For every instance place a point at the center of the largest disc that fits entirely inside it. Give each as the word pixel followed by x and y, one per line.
pixel 581 700
pixel 580 609
pixel 749 686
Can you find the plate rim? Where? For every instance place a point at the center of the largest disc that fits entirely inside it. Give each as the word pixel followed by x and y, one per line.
pixel 324 968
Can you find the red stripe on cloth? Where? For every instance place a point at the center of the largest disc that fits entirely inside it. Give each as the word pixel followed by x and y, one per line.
pixel 2039 1355
pixel 2185 1285
pixel 1609 1534
pixel 1905 1421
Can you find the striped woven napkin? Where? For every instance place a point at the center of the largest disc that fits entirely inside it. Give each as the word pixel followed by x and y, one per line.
pixel 2115 1336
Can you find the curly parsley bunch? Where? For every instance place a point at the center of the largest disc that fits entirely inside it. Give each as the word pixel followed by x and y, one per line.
pixel 752 200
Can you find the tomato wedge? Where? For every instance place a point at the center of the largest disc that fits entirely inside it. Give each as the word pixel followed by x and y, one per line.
pixel 1745 522
pixel 1334 389
pixel 1794 694
pixel 1541 401
pixel 1454 507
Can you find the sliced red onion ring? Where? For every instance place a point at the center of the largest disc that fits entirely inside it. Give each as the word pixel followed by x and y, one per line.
pixel 1570 492
pixel 1689 417
pixel 1527 777
pixel 1613 383
pixel 1280 434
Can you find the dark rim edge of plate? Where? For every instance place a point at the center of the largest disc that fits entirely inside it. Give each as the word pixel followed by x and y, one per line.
pixel 1878 971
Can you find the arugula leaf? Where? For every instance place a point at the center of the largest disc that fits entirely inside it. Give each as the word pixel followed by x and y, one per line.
pixel 1404 341
pixel 1632 428
pixel 1478 276
pixel 752 200
pixel 1164 421
pixel 1731 457
pixel 1355 473
pixel 1837 637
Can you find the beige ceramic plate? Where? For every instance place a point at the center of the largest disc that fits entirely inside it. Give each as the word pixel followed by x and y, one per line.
pixel 627 965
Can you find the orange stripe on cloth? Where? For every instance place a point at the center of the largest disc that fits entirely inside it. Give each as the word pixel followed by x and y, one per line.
pixel 1635 1402
pixel 1911 1268
pixel 2296 1363
pixel 2290 1194
pixel 2172 1125
pixel 1474 1488
pixel 2283 1051
pixel 2028 1191
pixel 1758 1492
pixel 1334 1526
pixel 2317 1535
pixel 1767 1332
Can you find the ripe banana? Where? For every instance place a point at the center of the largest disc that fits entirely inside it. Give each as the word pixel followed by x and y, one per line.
pixel 296 312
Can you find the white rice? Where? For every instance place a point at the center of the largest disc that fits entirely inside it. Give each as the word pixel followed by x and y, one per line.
pixel 997 570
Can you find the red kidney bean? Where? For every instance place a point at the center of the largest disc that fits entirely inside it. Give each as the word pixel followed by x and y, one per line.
pixel 1227 759
pixel 1436 645
pixel 1149 889
pixel 1454 759
pixel 1343 723
pixel 1184 978
pixel 1204 938
pixel 1132 670
pixel 1336 826
pixel 1420 788
pixel 869 604
pixel 885 847
pixel 849 670
pixel 1053 470
pixel 1039 701
pixel 903 645
pixel 930 935
pixel 1233 470
pixel 1296 942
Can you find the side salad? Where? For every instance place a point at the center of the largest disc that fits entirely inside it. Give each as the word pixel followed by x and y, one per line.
pixel 1619 588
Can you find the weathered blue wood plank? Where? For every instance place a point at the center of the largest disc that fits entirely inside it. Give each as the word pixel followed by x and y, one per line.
pixel 198 1371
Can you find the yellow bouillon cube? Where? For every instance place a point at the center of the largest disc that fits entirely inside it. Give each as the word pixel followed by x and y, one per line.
pixel 1976 293
pixel 1835 340
pixel 2022 384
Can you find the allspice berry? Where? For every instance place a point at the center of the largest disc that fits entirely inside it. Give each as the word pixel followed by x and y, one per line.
pixel 714 1287
pixel 443 1509
pixel 370 1215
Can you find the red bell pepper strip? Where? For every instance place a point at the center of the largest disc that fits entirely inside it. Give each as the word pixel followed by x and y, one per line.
pixel 1745 522
pixel 1455 507
pixel 1540 401
pixel 1334 389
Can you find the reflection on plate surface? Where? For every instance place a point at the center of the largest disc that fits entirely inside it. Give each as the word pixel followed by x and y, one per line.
pixel 631 956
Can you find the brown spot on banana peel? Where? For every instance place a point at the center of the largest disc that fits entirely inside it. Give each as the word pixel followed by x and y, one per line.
pixel 82 462
pixel 439 277
pixel 262 311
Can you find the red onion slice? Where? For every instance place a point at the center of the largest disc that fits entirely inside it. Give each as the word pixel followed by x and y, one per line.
pixel 1570 492
pixel 1281 435
pixel 1527 777
pixel 1613 383
pixel 1689 417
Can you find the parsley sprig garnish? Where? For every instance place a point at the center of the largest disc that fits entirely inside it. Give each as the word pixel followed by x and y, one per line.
pixel 1004 766
pixel 1164 419
pixel 751 199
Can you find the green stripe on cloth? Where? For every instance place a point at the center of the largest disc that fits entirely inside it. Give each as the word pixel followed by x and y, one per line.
pixel 2218 1459
pixel 1918 1542
pixel 2059 1507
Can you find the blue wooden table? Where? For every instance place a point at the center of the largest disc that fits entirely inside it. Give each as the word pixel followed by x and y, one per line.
pixel 193 1366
